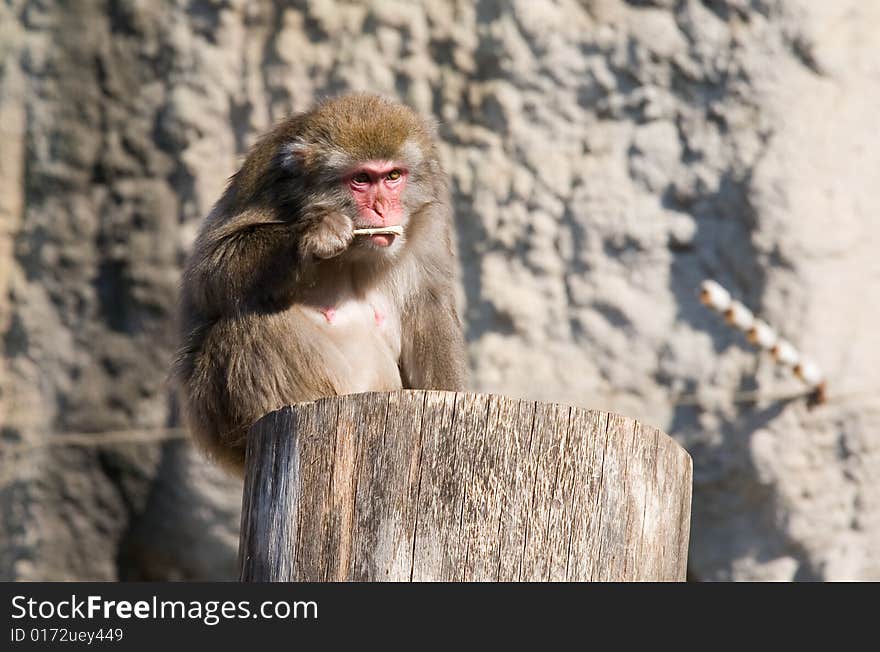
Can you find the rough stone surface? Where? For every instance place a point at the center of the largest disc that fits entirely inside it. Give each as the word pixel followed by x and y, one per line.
pixel 606 157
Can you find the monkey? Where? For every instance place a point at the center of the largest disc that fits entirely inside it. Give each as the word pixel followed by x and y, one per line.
pixel 283 301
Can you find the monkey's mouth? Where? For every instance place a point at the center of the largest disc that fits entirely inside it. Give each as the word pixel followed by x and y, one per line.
pixel 382 236
pixel 382 239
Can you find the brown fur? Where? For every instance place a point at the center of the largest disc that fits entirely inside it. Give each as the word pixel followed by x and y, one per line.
pixel 278 246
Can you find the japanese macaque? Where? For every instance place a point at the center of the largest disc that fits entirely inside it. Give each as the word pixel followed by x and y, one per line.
pixel 299 286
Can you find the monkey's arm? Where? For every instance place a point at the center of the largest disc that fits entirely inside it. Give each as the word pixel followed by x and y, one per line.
pixel 254 258
pixel 231 262
pixel 433 353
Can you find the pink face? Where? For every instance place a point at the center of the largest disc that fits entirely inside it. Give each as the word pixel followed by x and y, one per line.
pixel 376 187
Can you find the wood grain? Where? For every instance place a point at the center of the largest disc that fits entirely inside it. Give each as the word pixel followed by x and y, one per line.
pixel 442 486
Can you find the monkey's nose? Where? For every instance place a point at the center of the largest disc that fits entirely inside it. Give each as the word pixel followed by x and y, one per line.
pixel 378 215
pixel 382 211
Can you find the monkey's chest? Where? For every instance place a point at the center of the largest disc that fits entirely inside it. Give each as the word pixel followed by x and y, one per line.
pixel 363 341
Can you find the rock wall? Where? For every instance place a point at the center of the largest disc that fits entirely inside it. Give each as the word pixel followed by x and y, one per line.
pixel 605 156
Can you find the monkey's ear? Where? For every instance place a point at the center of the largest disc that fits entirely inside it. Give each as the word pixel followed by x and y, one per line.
pixel 294 155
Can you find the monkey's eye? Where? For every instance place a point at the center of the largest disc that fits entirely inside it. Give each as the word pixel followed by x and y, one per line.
pixel 394 175
pixel 361 177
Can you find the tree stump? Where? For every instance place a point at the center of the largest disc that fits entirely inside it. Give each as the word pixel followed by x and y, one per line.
pixel 421 485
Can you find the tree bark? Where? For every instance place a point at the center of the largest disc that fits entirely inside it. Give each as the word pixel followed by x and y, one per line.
pixel 442 486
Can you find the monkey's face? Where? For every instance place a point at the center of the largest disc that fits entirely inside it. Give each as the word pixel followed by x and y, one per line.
pixel 377 189
pixel 366 159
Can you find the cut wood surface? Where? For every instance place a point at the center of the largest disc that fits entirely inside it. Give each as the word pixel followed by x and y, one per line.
pixel 442 486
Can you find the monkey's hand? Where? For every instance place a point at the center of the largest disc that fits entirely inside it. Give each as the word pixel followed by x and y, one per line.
pixel 328 236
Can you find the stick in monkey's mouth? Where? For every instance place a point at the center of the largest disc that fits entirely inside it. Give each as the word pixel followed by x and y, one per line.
pixel 385 230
